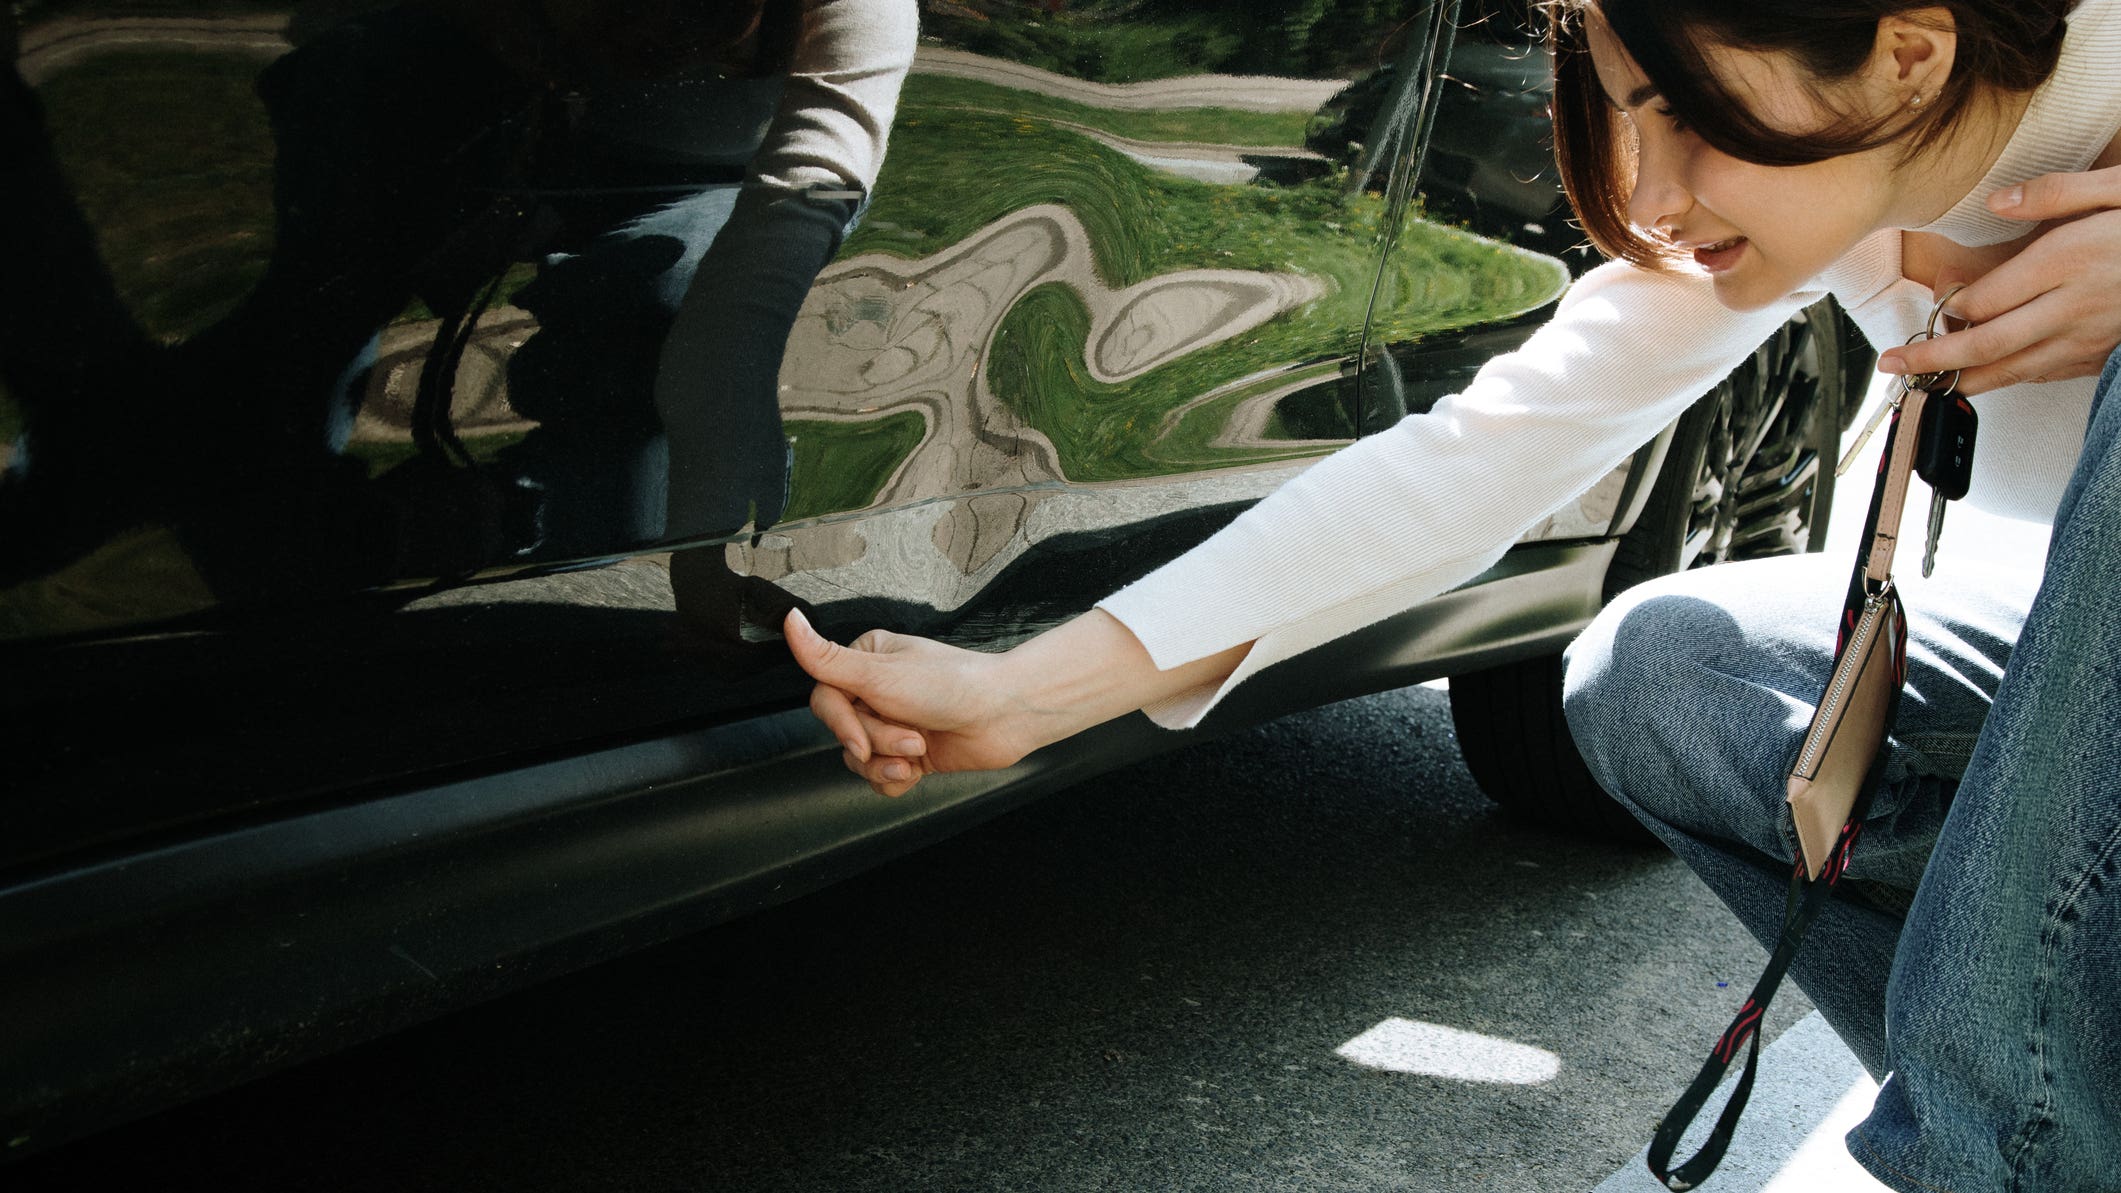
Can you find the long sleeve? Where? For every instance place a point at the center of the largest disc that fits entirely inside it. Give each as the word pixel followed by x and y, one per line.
pixel 1430 503
pixel 834 117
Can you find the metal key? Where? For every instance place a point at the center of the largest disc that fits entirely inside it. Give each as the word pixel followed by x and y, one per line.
pixel 1870 427
pixel 1934 383
pixel 1944 456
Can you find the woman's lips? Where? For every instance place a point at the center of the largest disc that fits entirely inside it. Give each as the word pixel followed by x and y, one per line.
pixel 1720 256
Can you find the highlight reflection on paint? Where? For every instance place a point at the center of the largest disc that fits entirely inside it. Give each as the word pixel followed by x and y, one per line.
pixel 1407 1046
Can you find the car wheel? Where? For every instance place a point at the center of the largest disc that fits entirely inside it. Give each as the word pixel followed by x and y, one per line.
pixel 1749 474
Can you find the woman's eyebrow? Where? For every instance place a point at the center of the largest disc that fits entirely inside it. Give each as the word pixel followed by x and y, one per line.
pixel 1636 98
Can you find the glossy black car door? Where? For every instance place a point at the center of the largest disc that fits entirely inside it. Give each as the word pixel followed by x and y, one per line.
pixel 374 373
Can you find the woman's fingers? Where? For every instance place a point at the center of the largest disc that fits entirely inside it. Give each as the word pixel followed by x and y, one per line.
pixel 2059 196
pixel 888 755
pixel 836 709
pixel 887 775
pixel 889 737
pixel 2039 364
pixel 2046 314
pixel 1984 310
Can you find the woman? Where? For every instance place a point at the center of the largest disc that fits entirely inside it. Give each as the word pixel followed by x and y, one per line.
pixel 1741 161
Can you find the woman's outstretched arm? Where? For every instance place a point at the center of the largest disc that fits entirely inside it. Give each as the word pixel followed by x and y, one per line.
pixel 1623 356
pixel 904 707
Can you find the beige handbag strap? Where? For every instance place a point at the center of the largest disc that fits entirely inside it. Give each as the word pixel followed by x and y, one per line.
pixel 1915 391
pixel 1892 497
pixel 1807 896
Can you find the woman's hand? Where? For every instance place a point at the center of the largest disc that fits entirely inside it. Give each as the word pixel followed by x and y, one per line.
pixel 905 707
pixel 873 693
pixel 2049 313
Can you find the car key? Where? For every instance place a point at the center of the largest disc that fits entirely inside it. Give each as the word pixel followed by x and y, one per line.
pixel 1944 457
pixel 1885 406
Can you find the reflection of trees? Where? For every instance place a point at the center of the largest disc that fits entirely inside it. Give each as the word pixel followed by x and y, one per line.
pixel 1123 40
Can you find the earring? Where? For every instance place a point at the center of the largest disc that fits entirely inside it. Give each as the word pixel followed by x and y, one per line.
pixel 1915 101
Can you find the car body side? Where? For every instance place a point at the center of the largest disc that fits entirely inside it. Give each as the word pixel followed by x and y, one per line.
pixel 266 803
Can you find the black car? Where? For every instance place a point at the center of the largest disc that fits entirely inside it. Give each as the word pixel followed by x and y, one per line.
pixel 359 662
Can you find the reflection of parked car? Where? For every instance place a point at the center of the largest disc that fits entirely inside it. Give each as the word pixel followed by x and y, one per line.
pixel 264 803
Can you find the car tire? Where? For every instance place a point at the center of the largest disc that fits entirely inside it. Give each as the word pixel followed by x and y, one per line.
pixel 1749 473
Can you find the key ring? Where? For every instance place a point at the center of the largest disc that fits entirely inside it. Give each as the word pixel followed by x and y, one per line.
pixel 1929 332
pixel 1908 383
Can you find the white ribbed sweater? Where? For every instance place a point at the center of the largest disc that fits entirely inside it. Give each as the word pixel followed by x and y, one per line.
pixel 833 117
pixel 1427 505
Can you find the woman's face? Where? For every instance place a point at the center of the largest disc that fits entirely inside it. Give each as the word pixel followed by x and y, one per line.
pixel 1760 232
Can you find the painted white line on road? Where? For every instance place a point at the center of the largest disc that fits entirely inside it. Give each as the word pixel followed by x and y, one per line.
pixel 1407 1046
pixel 1810 1091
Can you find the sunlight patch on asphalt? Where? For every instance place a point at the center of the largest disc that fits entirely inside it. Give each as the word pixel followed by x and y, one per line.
pixel 1407 1046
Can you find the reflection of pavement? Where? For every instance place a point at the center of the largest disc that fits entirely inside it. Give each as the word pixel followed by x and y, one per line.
pixel 1223 165
pixel 1245 93
pixel 52 46
pixel 1247 423
pixel 479 397
pixel 878 335
pixel 943 554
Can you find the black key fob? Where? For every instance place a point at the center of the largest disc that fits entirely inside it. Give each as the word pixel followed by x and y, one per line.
pixel 1944 449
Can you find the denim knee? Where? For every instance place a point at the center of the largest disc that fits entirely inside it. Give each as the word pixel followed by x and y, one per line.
pixel 1687 695
pixel 1604 685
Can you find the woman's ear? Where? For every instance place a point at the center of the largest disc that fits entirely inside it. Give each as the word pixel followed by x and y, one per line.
pixel 1914 56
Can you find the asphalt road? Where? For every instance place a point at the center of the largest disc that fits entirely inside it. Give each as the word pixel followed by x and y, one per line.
pixel 1145 983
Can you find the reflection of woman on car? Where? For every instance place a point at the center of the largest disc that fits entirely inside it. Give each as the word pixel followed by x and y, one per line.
pixel 1743 161
pixel 690 296
pixel 630 151
pixel 675 173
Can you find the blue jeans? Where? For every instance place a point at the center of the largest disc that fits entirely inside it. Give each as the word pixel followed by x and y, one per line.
pixel 1973 960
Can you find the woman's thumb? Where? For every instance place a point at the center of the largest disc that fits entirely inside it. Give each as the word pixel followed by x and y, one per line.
pixel 825 660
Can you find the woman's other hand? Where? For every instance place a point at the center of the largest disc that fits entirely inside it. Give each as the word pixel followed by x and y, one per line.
pixel 2048 313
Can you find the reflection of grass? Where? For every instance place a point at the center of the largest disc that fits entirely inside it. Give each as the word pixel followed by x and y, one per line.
pixel 1222 126
pixel 951 173
pixel 1105 431
pixel 843 465
pixel 179 189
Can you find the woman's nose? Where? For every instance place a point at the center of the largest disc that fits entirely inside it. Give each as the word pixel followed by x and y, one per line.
pixel 1660 197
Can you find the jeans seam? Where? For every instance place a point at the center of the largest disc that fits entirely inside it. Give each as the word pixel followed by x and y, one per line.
pixel 2042 1116
pixel 1856 1137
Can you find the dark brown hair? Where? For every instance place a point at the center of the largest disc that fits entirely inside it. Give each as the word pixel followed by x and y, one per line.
pixel 2007 45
